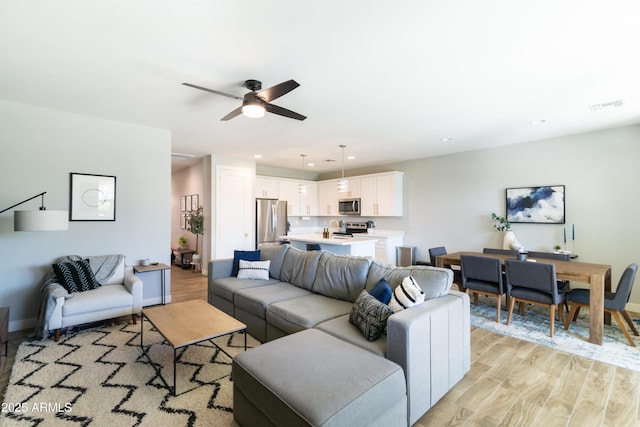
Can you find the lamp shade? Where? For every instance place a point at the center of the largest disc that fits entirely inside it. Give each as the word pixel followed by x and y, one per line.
pixel 40 220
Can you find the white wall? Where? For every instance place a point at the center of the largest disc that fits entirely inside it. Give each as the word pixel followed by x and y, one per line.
pixel 38 150
pixel 449 199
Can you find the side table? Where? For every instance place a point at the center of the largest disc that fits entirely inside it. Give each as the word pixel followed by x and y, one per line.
pixel 155 267
pixel 4 336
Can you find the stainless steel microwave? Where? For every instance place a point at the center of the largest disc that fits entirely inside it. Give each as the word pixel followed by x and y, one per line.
pixel 349 206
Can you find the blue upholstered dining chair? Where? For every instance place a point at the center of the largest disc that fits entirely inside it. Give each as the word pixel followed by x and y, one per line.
pixel 434 252
pixel 482 275
pixel 533 283
pixel 563 285
pixel 614 302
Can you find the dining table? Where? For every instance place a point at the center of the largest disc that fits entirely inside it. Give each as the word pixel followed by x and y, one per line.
pixel 597 276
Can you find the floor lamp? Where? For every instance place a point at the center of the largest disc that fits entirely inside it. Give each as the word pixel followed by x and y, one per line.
pixel 40 220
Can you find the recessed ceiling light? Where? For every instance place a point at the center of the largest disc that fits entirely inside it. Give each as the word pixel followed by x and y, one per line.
pixel 257 156
pixel 311 164
pixel 351 157
pixel 537 122
pixel 447 139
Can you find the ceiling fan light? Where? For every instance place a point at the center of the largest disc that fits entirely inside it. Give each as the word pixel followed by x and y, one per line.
pixel 255 111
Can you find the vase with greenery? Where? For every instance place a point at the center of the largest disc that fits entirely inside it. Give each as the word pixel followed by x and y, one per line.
pixel 509 241
pixel 195 220
pixel 500 223
pixel 181 242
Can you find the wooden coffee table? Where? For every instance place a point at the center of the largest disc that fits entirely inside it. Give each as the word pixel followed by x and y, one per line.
pixel 184 323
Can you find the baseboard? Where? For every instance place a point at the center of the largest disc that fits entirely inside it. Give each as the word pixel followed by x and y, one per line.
pixel 633 307
pixel 22 324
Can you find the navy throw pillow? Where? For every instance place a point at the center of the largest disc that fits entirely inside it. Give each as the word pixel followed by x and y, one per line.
pixel 245 256
pixel 382 291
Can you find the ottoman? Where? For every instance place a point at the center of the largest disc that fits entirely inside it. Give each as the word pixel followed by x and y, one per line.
pixel 311 378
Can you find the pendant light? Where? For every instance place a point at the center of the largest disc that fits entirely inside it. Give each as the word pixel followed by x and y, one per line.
pixel 343 184
pixel 302 187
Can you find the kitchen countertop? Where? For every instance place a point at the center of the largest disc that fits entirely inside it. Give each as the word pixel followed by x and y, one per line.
pixel 317 238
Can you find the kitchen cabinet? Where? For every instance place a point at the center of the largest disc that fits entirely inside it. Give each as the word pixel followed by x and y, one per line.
pixel 381 194
pixel 267 187
pixel 297 204
pixel 328 198
pixel 386 248
pixel 354 189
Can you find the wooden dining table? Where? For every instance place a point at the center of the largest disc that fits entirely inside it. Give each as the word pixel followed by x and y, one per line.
pixel 597 276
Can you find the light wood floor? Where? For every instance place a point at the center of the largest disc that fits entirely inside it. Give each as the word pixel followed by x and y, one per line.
pixel 511 382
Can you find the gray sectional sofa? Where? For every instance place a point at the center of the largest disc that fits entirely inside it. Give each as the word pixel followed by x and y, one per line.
pixel 317 289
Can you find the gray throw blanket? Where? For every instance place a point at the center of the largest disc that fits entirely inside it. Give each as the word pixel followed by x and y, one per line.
pixel 103 267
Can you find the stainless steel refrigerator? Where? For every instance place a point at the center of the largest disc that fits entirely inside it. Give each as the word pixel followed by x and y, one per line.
pixel 271 221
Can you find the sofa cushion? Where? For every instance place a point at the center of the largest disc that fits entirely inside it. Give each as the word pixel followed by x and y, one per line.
pixel 226 286
pixel 256 300
pixel 340 327
pixel 341 277
pixel 369 315
pixel 117 278
pixel 382 291
pixel 76 276
pixel 434 281
pixel 96 300
pixel 297 314
pixel 406 294
pixel 275 254
pixel 257 270
pixel 299 267
pixel 244 255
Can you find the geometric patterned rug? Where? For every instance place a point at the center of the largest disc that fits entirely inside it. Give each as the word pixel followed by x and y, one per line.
pixel 100 377
pixel 534 327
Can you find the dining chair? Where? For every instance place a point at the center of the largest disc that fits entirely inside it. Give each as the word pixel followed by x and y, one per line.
pixel 563 285
pixel 482 275
pixel 533 283
pixel 614 302
pixel 434 252
pixel 441 250
pixel 499 251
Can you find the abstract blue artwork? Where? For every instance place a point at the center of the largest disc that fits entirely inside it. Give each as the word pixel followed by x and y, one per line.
pixel 536 204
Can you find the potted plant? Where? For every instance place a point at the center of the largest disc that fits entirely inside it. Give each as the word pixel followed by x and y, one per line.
pixel 181 242
pixel 195 220
pixel 509 241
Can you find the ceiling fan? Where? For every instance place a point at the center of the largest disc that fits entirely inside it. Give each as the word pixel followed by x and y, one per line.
pixel 256 102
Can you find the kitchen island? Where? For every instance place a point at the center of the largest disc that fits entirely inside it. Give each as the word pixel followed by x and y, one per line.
pixel 359 246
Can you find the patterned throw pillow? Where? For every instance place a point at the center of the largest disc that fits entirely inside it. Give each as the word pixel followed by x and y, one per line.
pixel 254 269
pixel 76 276
pixel 369 315
pixel 406 294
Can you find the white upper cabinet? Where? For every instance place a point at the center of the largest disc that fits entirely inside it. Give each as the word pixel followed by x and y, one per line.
pixel 298 204
pixel 267 187
pixel 328 198
pixel 381 194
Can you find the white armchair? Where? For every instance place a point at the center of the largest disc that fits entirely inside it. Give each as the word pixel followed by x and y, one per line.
pixel 120 295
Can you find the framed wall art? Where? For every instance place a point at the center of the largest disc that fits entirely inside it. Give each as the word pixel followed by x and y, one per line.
pixel 542 205
pixel 92 198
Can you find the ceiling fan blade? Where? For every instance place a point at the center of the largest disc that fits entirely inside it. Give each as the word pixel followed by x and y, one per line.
pixel 231 115
pixel 283 112
pixel 217 92
pixel 277 91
